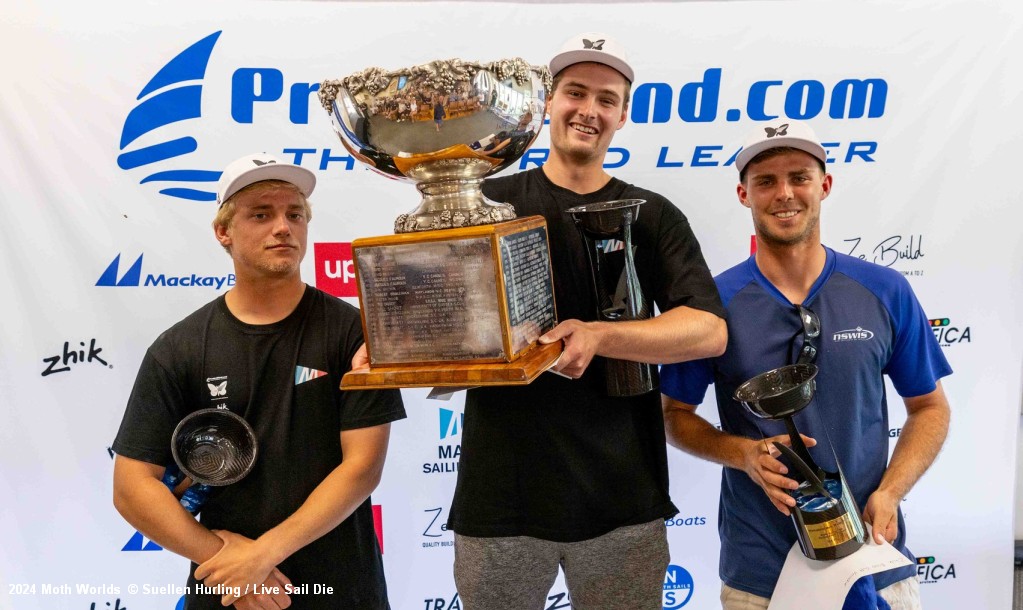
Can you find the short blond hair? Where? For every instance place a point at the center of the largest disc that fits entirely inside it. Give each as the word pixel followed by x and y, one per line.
pixel 225 215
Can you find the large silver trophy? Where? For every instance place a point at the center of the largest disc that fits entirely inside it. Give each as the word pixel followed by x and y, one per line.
pixel 461 293
pixel 443 126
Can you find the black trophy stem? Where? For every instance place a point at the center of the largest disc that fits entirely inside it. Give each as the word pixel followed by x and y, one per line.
pixel 800 448
pixel 635 295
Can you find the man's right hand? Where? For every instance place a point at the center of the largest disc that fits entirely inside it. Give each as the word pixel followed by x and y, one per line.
pixel 361 358
pixel 268 601
pixel 760 461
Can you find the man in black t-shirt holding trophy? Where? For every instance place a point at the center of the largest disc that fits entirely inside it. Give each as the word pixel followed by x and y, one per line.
pixel 558 473
pixel 271 350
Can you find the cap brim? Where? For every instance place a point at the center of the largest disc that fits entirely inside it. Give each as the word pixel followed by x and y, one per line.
pixel 578 56
pixel 302 178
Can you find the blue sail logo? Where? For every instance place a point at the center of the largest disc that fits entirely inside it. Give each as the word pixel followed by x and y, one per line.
pixel 173 95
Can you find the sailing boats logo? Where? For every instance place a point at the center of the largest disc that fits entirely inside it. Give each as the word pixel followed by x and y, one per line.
pixel 173 95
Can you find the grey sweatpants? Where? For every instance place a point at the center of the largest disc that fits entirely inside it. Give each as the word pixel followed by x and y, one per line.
pixel 621 570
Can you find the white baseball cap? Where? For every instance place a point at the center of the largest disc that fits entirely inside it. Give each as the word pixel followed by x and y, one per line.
pixel 595 47
pixel 778 133
pixel 251 169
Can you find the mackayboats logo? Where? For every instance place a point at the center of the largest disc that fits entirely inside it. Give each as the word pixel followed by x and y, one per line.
pixel 450 426
pixel 335 269
pixel 948 333
pixel 133 278
pixel 929 570
pixel 678 587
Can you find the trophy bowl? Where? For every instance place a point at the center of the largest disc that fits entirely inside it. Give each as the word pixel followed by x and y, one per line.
pixel 779 392
pixel 444 126
pixel 214 447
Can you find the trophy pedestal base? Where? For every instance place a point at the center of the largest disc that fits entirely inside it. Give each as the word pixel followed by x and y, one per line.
pixel 520 371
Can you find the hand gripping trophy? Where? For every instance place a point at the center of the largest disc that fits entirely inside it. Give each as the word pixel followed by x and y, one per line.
pixel 459 295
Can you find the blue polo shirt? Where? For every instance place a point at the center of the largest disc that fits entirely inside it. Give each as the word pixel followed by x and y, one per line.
pixel 871 325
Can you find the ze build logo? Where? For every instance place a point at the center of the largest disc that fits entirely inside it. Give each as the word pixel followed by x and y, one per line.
pixel 447 453
pixel 929 571
pixel 133 278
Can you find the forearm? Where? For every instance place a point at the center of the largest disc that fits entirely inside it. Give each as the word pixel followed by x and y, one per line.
pixel 691 433
pixel 153 510
pixel 677 335
pixel 921 439
pixel 333 501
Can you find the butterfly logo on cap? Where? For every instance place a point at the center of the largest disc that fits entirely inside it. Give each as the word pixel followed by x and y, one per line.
pixel 596 45
pixel 780 131
pixel 258 162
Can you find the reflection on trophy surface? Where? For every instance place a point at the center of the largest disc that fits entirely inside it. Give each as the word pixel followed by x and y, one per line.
pixel 213 448
pixel 826 517
pixel 444 126
pixel 461 294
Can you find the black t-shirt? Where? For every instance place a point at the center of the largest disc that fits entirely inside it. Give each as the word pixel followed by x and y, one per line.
pixel 284 379
pixel 558 459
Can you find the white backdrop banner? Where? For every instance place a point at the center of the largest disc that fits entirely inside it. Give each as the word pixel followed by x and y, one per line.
pixel 117 117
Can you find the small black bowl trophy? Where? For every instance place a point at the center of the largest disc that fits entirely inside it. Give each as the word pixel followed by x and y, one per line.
pixel 826 516
pixel 616 284
pixel 212 447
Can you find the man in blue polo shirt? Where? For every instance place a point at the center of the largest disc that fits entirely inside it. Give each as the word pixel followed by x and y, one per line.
pixel 870 325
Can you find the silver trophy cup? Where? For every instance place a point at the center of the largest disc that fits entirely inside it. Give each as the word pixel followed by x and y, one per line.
pixel 443 126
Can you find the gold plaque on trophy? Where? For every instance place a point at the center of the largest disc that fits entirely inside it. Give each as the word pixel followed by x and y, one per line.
pixel 455 307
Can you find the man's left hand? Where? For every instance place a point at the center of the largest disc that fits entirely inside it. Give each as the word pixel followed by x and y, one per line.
pixel 582 339
pixel 238 564
pixel 882 513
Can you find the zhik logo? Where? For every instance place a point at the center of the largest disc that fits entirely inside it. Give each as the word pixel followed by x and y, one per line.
pixel 133 278
pixel 596 45
pixel 62 362
pixel 173 95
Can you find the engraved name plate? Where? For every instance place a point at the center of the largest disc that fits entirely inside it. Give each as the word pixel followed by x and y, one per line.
pixel 433 301
pixel 456 307
pixel 528 285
